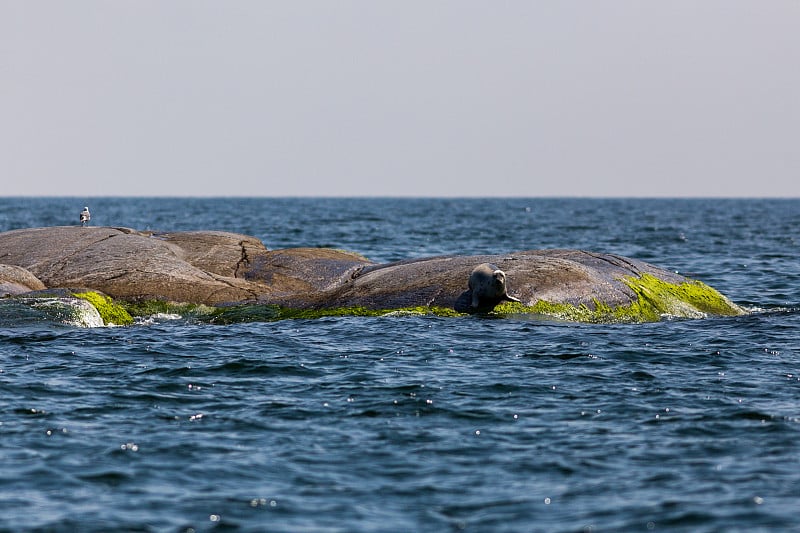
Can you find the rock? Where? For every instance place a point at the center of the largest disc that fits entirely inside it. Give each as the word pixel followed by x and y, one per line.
pixel 17 280
pixel 217 252
pixel 564 276
pixel 209 267
pixel 303 277
pixel 215 268
pixel 128 264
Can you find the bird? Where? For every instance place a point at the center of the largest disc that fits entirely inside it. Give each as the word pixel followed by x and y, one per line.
pixel 85 216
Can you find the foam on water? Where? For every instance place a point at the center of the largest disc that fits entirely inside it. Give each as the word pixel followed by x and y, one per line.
pixel 157 318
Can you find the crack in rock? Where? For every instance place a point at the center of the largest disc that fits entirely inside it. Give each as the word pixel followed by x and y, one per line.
pixel 243 262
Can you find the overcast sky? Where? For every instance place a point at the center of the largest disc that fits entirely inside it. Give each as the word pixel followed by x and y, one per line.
pixel 405 98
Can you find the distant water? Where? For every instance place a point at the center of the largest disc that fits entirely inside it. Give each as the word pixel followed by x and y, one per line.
pixel 419 423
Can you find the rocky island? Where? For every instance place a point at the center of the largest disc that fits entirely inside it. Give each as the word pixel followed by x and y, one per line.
pixel 124 272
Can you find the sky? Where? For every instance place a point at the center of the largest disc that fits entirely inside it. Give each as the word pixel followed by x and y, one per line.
pixel 614 98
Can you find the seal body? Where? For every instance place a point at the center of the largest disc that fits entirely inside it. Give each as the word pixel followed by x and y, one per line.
pixel 487 283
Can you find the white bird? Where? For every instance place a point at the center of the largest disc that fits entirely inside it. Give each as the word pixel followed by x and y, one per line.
pixel 85 216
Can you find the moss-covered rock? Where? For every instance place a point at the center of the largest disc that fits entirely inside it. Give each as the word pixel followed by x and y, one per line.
pixel 270 313
pixel 148 308
pixel 655 300
pixel 112 313
pixel 687 299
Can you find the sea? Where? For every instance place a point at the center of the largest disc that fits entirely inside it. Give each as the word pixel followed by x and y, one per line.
pixel 419 423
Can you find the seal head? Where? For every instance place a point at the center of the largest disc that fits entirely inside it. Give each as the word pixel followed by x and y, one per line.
pixel 487 284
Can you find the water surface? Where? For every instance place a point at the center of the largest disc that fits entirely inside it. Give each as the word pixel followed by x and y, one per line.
pixel 419 423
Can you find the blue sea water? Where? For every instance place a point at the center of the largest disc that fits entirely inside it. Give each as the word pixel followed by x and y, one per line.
pixel 406 423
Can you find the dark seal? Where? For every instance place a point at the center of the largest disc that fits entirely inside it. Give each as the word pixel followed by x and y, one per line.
pixel 487 288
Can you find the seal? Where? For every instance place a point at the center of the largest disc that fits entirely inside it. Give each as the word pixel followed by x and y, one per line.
pixel 487 283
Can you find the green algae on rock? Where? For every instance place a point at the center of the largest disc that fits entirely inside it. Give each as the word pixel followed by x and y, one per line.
pixel 672 299
pixel 656 299
pixel 149 308
pixel 271 313
pixel 111 312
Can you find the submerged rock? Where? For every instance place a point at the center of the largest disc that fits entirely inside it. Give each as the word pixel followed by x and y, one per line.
pixel 220 268
pixel 62 310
